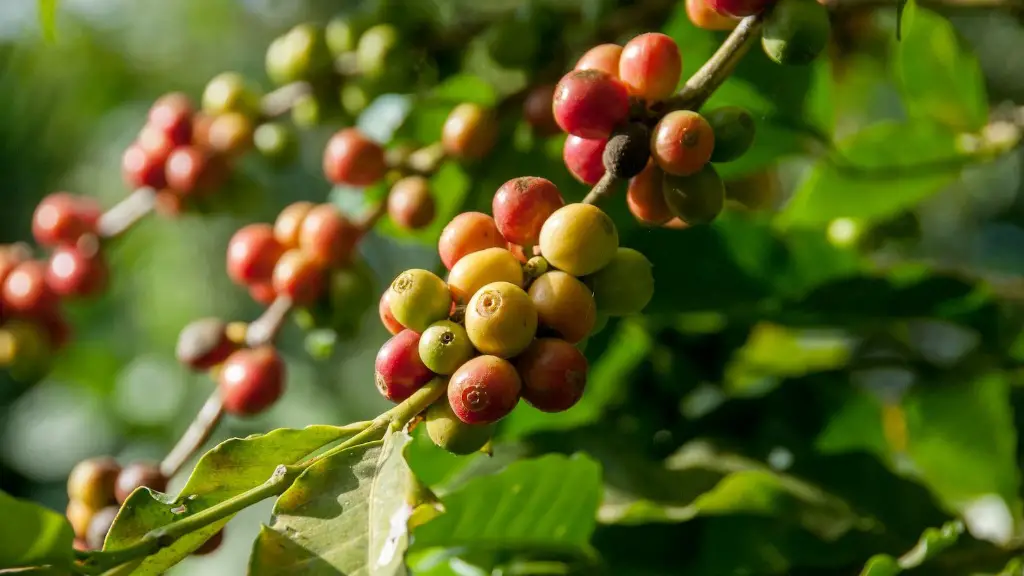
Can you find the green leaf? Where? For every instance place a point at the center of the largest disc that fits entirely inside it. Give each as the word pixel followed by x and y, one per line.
pixel 932 543
pixel 31 535
pixel 48 18
pixel 344 515
pixel 941 80
pixel 233 467
pixel 885 168
pixel 465 88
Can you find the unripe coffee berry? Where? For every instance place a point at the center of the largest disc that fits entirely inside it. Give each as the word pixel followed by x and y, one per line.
pixel 410 204
pixel 537 110
pixel 703 16
pixel 301 54
pixel 739 8
pixel 579 239
pixel 696 199
pixel 230 134
pixel 204 343
pixel 327 237
pixel 230 92
pixel 554 374
pixel 734 132
pixel 26 292
pixel 469 132
pixel 467 233
pixel 645 198
pixel 501 320
pixel 521 205
pixel 564 304
pixel 447 431
pixel 625 285
pixel 289 222
pixel 590 103
pixel 419 298
pixel 478 269
pixel 79 515
pixel 386 317
pixel 253 252
pixel 140 169
pixel 99 526
pixel 603 57
pixel 298 277
pixel 377 49
pixel 682 142
pixel 139 475
pixel 172 115
pixel 445 346
pixel 584 158
pixel 352 158
pixel 796 31
pixel 62 218
pixel 627 151
pixel 342 34
pixel 275 141
pixel 92 481
pixel 398 369
pixel 26 348
pixel 78 271
pixel 484 390
pixel 251 380
pixel 650 66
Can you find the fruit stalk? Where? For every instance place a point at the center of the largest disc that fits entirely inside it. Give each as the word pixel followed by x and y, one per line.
pixel 281 100
pixel 263 330
pixel 126 213
pixel 603 189
pixel 195 436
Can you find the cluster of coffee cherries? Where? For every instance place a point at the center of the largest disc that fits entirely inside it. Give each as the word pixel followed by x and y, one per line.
pixel 98 486
pixel 795 31
pixel 524 289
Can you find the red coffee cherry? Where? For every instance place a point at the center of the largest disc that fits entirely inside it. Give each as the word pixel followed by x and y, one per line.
pixel 703 16
pixel 58 331
pixel 682 142
pixel 172 115
pixel 537 110
pixel 211 545
pixel 386 317
pixel 26 292
pixel 467 233
pixel 251 380
pixel 327 237
pixel 263 293
pixel 484 390
pixel 521 206
pixel 298 277
pixel 554 374
pixel 410 203
pixel 583 158
pixel 739 8
pixel 230 134
pixel 77 271
pixel 62 218
pixel 192 170
pixel 252 254
pixel 398 370
pixel 138 475
pixel 99 526
pixel 92 481
pixel 590 103
pixel 645 197
pixel 140 169
pixel 469 132
pixel 352 158
pixel 155 143
pixel 204 343
pixel 169 204
pixel 603 57
pixel 651 66
pixel 289 222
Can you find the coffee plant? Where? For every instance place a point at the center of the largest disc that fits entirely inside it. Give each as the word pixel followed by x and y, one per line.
pixel 631 354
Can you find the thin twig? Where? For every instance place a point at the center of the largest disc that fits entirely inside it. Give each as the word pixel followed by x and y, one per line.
pixel 126 213
pixel 603 189
pixel 264 329
pixel 195 436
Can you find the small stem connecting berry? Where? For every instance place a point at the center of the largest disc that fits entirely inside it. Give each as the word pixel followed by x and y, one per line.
pixel 126 213
pixel 195 436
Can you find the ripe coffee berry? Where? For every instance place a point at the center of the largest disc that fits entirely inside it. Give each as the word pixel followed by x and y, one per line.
pixel 386 317
pixel 696 199
pixel 263 293
pixel 603 57
pixel 62 218
pixel 298 277
pixel 398 369
pixel 447 431
pixel 734 132
pixel 703 16
pixel 579 239
pixel 77 271
pixel 79 515
pixel 445 346
pixel 590 103
pixel 139 475
pixel 140 169
pixel 327 237
pixel 230 134
pixel 410 204
pixel 625 285
pixel 172 115
pixel 501 320
pixel 521 205
pixel 419 298
pixel 627 151
pixel 554 374
pixel 484 390
pixel 739 8
pixel 192 171
pixel 481 268
pixel 251 380
pixel 469 132
pixel 467 233
pixel 253 252
pixel 99 525
pixel 26 292
pixel 289 222
pixel 564 304
pixel 796 31
pixel 352 158
pixel 537 110
pixel 92 481
pixel 650 66
pixel 584 158
pixel 230 92
pixel 204 343
pixel 645 198
pixel 682 142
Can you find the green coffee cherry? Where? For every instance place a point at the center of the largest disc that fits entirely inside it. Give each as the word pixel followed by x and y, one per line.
pixel 342 34
pixel 275 141
pixel 25 350
pixel 307 112
pixel 796 31
pixel 444 347
pixel 231 92
pixel 734 132
pixel 695 199
pixel 355 97
pixel 446 430
pixel 377 49
pixel 419 298
pixel 625 285
pixel 301 54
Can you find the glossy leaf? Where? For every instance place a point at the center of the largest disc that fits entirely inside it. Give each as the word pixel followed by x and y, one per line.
pixel 31 535
pixel 932 543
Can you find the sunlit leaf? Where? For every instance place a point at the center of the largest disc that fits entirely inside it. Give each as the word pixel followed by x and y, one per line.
pixel 31 535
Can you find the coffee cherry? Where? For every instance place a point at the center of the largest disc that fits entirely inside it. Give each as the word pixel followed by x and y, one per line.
pixel 650 66
pixel 301 54
pixel 703 16
pixel 579 239
pixel 645 197
pixel 77 271
pixel 342 34
pixel 501 320
pixel 484 390
pixel 289 222
pixel 478 269
pixel 252 254
pixel 521 206
pixel 796 31
pixel 377 49
pixel 419 298
pixel 230 134
pixel 201 123
pixel 139 475
pixel 469 132
pixel 625 285
pixel 537 110
pixel 564 304
pixel 398 369
pixel 682 142
pixel 739 8
pixel 410 204
pixel 26 292
pixel 230 92
pixel 327 237
pixel 263 293
pixel 140 169
pixel 92 481
pixel 447 431
pixel 79 515
pixel 211 545
pixel 445 346
pixel 251 380
pixel 583 158
pixel 696 199
pixel 172 115
pixel 26 348
pixel 386 317
pixel 467 233
pixel 353 159
pixel 590 103
pixel 627 151
pixel 307 111
pixel 554 374
pixel 62 218
pixel 203 344
pixel 298 277
pixel 99 526
pixel 733 128
pixel 603 57
pixel 275 141
pixel 191 171
pixel 169 204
